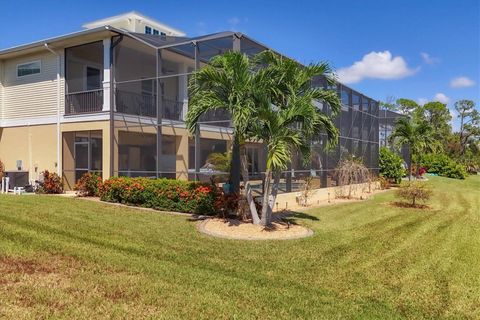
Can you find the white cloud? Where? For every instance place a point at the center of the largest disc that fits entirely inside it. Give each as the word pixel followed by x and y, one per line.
pixel 453 114
pixel 422 101
pixel 376 65
pixel 441 97
pixel 461 82
pixel 428 59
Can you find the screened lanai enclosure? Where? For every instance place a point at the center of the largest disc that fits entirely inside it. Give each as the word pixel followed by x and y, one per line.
pixel 150 101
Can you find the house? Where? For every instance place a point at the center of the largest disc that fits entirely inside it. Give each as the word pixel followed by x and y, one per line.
pixel 112 98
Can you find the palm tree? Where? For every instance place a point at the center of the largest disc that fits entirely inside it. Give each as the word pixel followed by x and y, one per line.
pixel 288 117
pixel 418 137
pixel 226 83
pixel 270 100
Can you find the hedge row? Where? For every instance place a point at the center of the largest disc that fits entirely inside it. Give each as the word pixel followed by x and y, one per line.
pixel 443 165
pixel 161 194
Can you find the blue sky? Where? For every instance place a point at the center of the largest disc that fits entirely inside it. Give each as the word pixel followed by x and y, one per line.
pixel 376 46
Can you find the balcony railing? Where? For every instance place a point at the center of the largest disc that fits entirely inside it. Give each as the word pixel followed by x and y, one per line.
pixel 141 104
pixel 84 101
pixel 217 117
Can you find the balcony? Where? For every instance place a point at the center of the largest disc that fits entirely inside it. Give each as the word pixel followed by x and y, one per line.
pixel 144 105
pixel 84 102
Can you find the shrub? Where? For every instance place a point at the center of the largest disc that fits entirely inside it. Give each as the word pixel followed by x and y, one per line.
pixel 454 170
pixel 51 184
pixel 434 163
pixel 444 166
pixel 414 191
pixel 391 165
pixel 88 184
pixel 226 203
pixel 351 172
pixel 384 183
pixel 220 161
pixel 2 169
pixel 161 194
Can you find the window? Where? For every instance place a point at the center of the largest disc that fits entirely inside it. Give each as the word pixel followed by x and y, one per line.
pixel 155 32
pixel 163 34
pixel 29 68
pixel 148 30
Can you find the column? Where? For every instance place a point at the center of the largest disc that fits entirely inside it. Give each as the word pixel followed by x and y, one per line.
pixel 183 89
pixel 181 148
pixel 106 75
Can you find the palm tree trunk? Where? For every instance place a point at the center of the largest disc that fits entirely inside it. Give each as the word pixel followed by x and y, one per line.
pixel 409 165
pixel 248 189
pixel 266 196
pixel 270 193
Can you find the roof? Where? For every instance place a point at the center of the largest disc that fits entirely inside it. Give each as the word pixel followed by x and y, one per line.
pixel 61 41
pixel 133 15
pixel 155 41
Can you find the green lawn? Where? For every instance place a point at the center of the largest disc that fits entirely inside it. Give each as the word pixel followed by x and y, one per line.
pixel 71 258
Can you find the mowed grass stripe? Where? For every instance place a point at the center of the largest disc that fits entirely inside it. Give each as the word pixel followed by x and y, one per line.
pixel 366 260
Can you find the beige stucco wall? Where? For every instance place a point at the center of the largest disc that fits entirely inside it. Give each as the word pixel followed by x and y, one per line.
pixel 34 145
pixel 293 200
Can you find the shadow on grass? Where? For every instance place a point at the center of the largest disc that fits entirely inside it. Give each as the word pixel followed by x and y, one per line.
pixel 301 215
pixel 399 204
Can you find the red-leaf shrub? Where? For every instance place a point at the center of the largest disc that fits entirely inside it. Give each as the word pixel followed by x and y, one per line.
pixel 2 169
pixel 161 194
pixel 52 183
pixel 88 184
pixel 226 204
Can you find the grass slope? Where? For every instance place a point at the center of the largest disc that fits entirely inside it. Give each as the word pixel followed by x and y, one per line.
pixel 70 258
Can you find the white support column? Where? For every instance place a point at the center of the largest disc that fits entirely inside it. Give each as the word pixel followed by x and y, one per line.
pixel 106 75
pixel 183 89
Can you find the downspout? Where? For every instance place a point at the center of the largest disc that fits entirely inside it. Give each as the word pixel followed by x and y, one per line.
pixel 59 166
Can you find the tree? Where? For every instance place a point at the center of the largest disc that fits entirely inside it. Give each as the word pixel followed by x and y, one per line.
pixel 406 106
pixel 469 122
pixel 389 104
pixel 270 100
pixel 288 117
pixel 417 136
pixel 226 83
pixel 437 115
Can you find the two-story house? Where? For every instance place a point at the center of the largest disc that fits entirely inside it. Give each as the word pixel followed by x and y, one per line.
pixel 112 98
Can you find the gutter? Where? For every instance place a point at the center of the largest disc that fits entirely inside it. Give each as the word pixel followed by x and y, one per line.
pixel 59 163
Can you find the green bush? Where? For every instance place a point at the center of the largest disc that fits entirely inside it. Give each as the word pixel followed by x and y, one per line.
pixel 391 165
pixel 443 165
pixel 454 170
pixel 434 163
pixel 88 184
pixel 161 194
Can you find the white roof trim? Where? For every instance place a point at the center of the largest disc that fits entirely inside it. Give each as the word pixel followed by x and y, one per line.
pixel 41 43
pixel 134 15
